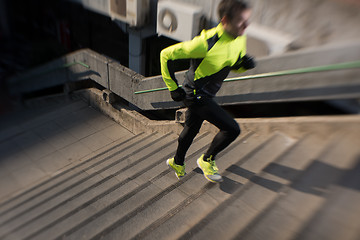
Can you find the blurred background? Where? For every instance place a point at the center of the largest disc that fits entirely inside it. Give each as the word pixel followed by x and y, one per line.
pixel 133 32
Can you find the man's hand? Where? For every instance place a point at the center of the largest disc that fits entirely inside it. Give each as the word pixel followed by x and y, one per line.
pixel 178 94
pixel 248 62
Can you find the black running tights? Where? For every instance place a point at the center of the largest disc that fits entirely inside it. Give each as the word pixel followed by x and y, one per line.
pixel 198 111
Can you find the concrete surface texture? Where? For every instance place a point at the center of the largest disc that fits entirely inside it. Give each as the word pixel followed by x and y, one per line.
pixel 70 172
pixel 311 23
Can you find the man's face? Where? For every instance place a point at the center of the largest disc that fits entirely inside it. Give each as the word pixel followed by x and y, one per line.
pixel 236 26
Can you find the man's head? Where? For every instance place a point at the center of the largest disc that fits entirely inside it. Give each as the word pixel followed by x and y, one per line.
pixel 234 15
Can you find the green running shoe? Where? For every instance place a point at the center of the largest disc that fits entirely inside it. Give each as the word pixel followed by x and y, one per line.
pixel 209 169
pixel 179 170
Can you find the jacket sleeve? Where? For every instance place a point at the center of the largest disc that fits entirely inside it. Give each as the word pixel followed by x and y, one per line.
pixel 237 67
pixel 196 48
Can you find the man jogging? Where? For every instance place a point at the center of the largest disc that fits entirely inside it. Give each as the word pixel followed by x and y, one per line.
pixel 213 54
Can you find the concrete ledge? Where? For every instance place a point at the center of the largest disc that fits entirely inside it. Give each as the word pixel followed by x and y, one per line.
pixel 97 72
pixel 295 127
pixel 130 119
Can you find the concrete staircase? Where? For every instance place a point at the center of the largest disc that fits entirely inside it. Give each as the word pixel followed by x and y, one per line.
pixel 277 185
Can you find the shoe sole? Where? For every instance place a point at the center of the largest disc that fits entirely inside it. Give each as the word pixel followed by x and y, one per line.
pixel 206 177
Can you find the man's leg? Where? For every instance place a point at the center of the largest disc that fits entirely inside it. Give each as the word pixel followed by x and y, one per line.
pixel 229 130
pixel 192 126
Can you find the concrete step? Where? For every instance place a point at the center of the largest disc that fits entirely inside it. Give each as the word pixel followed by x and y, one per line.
pixel 39 148
pixel 118 207
pixel 305 195
pixel 237 178
pixel 19 121
pixel 39 189
pixel 276 176
pixel 173 199
pixel 61 213
pixel 80 187
pixel 63 187
pixel 339 216
pixel 61 183
pixel 180 218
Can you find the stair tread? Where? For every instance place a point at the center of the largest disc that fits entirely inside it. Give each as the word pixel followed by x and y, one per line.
pixel 302 193
pixel 250 193
pixel 201 188
pixel 62 181
pixel 95 180
pixel 64 173
pixel 136 196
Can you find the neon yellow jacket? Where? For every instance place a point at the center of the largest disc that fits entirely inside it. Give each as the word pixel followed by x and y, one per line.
pixel 213 54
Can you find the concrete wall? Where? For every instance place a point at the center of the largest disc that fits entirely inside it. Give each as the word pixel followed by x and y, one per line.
pixel 311 22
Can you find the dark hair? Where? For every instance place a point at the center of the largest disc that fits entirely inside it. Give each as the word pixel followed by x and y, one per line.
pixel 230 7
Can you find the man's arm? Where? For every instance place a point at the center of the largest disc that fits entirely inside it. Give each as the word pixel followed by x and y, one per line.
pixel 196 48
pixel 245 63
